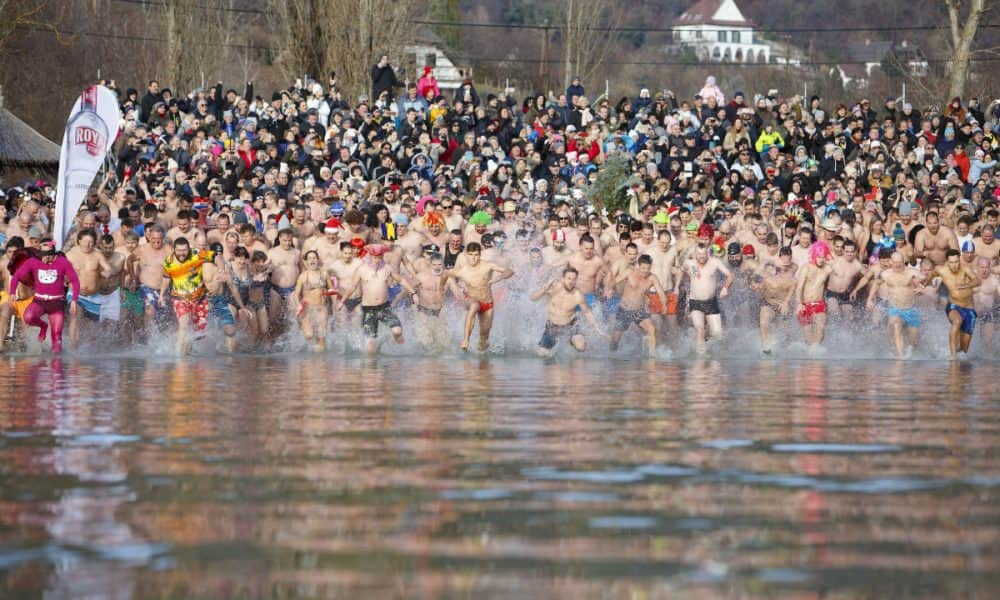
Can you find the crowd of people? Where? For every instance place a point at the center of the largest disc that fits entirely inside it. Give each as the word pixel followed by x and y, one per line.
pixel 245 219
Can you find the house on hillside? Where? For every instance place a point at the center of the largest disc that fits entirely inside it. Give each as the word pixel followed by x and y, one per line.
pixel 717 31
pixel 429 50
pixel 863 58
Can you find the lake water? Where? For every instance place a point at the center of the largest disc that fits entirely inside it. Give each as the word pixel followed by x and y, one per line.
pixel 503 477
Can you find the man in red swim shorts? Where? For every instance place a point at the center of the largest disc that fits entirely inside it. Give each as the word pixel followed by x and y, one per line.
pixel 477 278
pixel 809 292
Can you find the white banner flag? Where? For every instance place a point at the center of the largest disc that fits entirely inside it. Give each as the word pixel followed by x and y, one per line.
pixel 90 132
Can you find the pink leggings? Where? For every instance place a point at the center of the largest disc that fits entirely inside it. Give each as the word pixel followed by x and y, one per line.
pixel 54 309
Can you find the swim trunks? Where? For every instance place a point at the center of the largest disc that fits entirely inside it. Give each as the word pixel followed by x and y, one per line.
pixel 485 306
pixel 656 307
pixel 909 316
pixel 219 311
pixel 371 316
pixel 810 310
pixel 626 318
pixel 431 312
pixel 351 303
pixel 553 332
pixel 132 302
pixel 992 316
pixel 590 299
pixel 198 309
pixel 968 316
pixel 20 306
pixel 284 292
pixel 394 291
pixel 706 307
pixel 100 307
pixel 612 304
pixel 841 297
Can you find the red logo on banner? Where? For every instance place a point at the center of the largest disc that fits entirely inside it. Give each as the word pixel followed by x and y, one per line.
pixel 90 138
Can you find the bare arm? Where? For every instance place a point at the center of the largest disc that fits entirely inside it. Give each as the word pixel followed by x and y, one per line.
pixel 537 294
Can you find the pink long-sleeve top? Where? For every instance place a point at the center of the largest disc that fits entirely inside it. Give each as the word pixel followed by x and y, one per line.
pixel 48 280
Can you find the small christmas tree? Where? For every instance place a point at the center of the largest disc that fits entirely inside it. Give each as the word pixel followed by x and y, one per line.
pixel 608 192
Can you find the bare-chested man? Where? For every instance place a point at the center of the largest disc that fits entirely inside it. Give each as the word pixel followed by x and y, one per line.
pixel 810 290
pixel 703 271
pixel 664 264
pixel 284 260
pixel 374 281
pixel 933 242
pixel 901 284
pixel 565 302
pixel 432 332
pixel 91 266
pixel 477 278
pixel 847 269
pixel 985 300
pixel 343 271
pixel 326 245
pixel 635 283
pixel 777 290
pixel 111 287
pixel 589 269
pixel 217 283
pixel 960 282
pixel 147 263
pixel 556 255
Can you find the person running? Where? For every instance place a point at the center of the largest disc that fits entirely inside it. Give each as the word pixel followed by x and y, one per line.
pixel 477 277
pixel 847 269
pixel 48 275
pixel 635 284
pixel 703 272
pixel 147 263
pixel 432 332
pixel 566 302
pixel 223 291
pixel 960 283
pixel 284 259
pixel 91 266
pixel 589 267
pixel 809 293
pixel 902 284
pixel 183 277
pixel 777 290
pixel 986 300
pixel 312 289
pixel 374 280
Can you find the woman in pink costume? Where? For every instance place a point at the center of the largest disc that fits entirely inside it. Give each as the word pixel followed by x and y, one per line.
pixel 48 275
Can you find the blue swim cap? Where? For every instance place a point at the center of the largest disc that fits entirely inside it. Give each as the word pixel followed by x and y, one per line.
pixel 337 208
pixel 968 246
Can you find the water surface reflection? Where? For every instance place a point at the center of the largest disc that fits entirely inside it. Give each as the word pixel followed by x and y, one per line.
pixel 306 476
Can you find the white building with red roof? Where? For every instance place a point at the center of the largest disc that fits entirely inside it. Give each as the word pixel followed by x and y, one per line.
pixel 717 31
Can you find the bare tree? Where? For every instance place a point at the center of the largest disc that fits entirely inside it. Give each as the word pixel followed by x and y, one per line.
pixel 198 39
pixel 963 35
pixel 346 36
pixel 15 14
pixel 587 28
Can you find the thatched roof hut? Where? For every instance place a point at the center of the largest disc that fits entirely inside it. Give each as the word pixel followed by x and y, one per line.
pixel 23 148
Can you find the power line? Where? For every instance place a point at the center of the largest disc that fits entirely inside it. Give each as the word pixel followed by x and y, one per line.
pixel 608 29
pixel 493 59
pixel 135 38
pixel 223 8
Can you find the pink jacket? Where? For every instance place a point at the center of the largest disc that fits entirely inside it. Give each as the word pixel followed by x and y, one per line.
pixel 427 83
pixel 48 280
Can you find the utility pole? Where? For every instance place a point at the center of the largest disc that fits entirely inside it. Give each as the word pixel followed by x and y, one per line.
pixel 543 63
